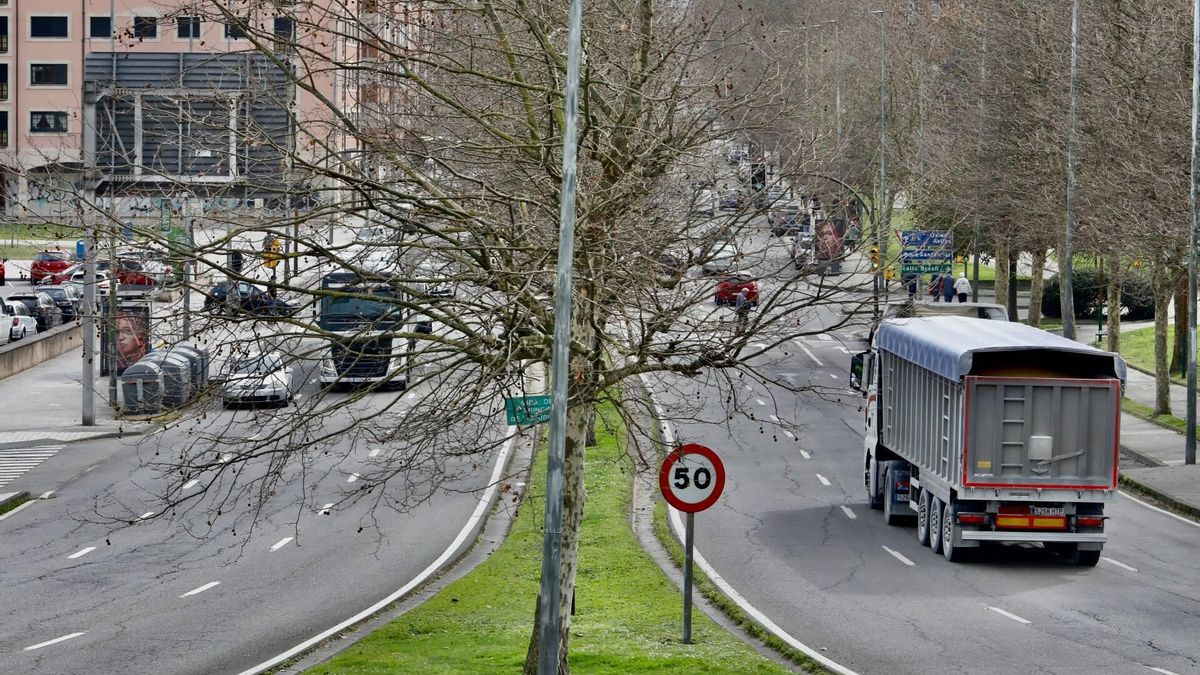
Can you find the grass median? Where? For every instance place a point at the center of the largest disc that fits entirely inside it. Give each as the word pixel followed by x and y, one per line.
pixel 628 614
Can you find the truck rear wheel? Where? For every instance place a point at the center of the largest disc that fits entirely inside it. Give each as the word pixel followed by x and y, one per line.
pixel 935 524
pixel 950 530
pixel 923 517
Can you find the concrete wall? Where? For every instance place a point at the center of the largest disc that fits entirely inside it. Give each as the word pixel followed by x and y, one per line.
pixel 31 351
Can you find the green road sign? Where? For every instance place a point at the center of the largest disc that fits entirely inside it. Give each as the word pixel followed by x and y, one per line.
pixel 926 268
pixel 528 409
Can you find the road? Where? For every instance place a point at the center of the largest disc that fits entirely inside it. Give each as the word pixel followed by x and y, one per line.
pixel 794 535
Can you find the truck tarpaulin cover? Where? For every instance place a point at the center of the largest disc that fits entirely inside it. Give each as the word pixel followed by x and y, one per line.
pixel 946 344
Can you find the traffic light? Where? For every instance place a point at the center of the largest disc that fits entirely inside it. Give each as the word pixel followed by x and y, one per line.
pixel 874 257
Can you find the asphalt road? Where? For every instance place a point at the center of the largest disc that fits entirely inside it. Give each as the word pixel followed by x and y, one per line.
pixel 794 535
pixel 188 592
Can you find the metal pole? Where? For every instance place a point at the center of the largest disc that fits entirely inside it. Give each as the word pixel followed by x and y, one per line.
pixel 837 97
pixel 979 154
pixel 689 544
pixel 1189 452
pixel 880 234
pixel 548 614
pixel 88 310
pixel 1068 289
pixel 188 274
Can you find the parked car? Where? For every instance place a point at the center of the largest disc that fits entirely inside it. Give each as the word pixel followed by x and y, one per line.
pixel 103 282
pixel 68 297
pixel 2 261
pixel 730 201
pixel 42 307
pixel 47 263
pixel 730 285
pixel 149 263
pixel 260 377
pixel 706 202
pixel 241 296
pixel 721 259
pixel 787 220
pixel 21 323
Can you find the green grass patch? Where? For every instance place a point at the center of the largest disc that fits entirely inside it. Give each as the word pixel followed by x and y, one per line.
pixel 19 251
pixel 16 232
pixel 629 615
pixel 1137 348
pixel 1146 412
pixel 14 504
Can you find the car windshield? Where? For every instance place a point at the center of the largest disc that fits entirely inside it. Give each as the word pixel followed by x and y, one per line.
pixel 257 365
pixel 56 293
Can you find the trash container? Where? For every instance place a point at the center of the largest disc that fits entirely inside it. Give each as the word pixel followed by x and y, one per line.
pixel 177 377
pixel 142 388
pixel 195 363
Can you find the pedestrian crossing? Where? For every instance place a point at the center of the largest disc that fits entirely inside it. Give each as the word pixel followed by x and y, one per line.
pixel 15 462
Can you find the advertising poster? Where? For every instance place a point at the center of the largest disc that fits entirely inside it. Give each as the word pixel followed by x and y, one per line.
pixel 132 338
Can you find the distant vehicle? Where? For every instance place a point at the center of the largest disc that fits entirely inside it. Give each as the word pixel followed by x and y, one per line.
pixel 232 297
pixel 722 258
pixel 365 314
pixel 730 201
pixel 47 263
pixel 79 277
pixel 706 202
pixel 260 377
pixel 21 323
pixel 42 307
pixel 2 261
pixel 787 220
pixel 990 432
pixel 149 263
pixel 68 298
pixel 729 286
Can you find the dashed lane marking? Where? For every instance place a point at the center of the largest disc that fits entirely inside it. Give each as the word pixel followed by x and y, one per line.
pixel 55 641
pixel 1010 615
pixel 899 556
pixel 760 401
pixel 1118 563
pixel 190 484
pixel 281 543
pixel 805 455
pixel 833 376
pixel 325 509
pixel 205 587
pixel 353 477
pixel 81 552
pixel 145 515
pixel 774 418
pixel 849 514
pixel 373 453
pixel 789 434
pixel 824 337
pixel 810 354
pixel 1162 670
pixel 824 480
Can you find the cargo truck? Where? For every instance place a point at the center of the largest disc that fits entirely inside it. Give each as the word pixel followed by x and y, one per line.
pixel 989 432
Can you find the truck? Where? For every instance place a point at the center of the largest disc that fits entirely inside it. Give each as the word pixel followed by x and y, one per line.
pixel 372 327
pixel 990 432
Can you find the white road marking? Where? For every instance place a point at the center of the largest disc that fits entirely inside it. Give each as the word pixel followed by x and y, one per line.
pixel 824 336
pixel 485 503
pixel 81 552
pixel 824 480
pixel 1010 615
pixel 46 495
pixel 749 388
pixel 56 640
pixel 759 345
pixel 1118 563
pixel 789 434
pixel 804 454
pixel 226 458
pixel 833 376
pixel 849 514
pixel 20 508
pixel 774 418
pixel 353 477
pixel 281 543
pixel 899 556
pixel 203 588
pixel 1162 511
pixel 325 509
pixel 844 350
pixel 1161 670
pixel 373 453
pixel 760 401
pixel 190 484
pixel 411 396
pixel 810 354
pixel 145 515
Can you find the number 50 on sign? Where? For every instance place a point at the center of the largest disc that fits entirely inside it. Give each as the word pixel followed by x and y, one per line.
pixel 692 478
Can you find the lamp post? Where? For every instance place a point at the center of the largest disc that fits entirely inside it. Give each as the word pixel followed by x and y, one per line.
pixel 880 235
pixel 1189 452
pixel 1068 290
pixel 837 98
pixel 979 155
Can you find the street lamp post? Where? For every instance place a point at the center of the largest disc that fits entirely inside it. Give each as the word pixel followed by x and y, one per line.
pixel 979 156
pixel 1068 290
pixel 1189 452
pixel 880 235
pixel 837 76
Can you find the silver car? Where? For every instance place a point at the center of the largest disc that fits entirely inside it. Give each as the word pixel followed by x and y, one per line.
pixel 259 377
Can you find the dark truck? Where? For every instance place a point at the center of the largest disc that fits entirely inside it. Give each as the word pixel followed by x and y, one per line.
pixel 368 318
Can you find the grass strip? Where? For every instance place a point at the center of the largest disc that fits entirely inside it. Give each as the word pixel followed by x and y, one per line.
pixel 728 607
pixel 13 504
pixel 1137 348
pixel 19 251
pixel 629 615
pixel 1146 412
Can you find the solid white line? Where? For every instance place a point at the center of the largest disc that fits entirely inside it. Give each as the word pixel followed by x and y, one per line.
pixel 203 588
pixel 56 640
pixel 805 455
pixel 1160 670
pixel 849 514
pixel 281 543
pixel 46 495
pixel 789 434
pixel 900 556
pixel 31 502
pixel 824 480
pixel 1010 615
pixel 373 453
pixel 480 510
pixel 810 354
pixel 353 477
pixel 760 401
pixel 1162 511
pixel 145 515
pixel 190 484
pixel 81 552
pixel 1118 563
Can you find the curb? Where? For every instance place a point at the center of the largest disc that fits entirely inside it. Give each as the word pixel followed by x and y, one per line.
pixel 1144 459
pixel 1163 497
pixel 16 496
pixel 1151 373
pixel 45 441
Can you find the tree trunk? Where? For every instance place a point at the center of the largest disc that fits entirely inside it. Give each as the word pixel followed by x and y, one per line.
pixel 1035 288
pixel 1162 376
pixel 1001 271
pixel 1178 350
pixel 1114 303
pixel 1013 252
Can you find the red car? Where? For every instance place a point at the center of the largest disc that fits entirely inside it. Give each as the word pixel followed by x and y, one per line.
pixel 730 285
pixel 2 261
pixel 46 264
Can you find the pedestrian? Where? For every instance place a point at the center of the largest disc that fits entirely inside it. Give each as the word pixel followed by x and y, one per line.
pixel 948 286
pixel 935 288
pixel 911 282
pixel 962 287
pixel 853 233
pixel 741 306
pixel 235 262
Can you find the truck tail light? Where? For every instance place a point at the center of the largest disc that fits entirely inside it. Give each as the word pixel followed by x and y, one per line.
pixel 972 518
pixel 1089 521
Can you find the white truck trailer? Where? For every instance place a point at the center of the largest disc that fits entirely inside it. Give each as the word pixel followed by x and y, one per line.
pixel 990 432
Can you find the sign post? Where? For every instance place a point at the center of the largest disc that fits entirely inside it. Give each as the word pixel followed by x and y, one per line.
pixel 691 479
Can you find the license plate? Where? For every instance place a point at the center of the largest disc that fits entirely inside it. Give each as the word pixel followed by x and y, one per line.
pixel 1045 511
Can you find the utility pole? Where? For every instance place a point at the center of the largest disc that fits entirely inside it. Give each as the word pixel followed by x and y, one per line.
pixel 837 110
pixel 548 611
pixel 1189 452
pixel 979 156
pixel 1067 289
pixel 880 234
pixel 88 329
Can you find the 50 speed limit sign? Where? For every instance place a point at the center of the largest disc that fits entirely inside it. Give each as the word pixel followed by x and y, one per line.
pixel 692 478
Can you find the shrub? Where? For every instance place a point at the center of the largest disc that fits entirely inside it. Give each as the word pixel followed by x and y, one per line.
pixel 1137 295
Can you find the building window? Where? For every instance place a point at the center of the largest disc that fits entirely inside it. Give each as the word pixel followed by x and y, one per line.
pixel 3 34
pixel 3 81
pixel 49 27
pixel 145 27
pixel 100 27
pixel 189 27
pixel 285 27
pixel 47 74
pixel 3 128
pixel 235 31
pixel 47 122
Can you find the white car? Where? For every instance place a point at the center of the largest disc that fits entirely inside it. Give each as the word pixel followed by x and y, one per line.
pixel 723 258
pixel 259 377
pixel 21 324
pixel 706 202
pixel 103 283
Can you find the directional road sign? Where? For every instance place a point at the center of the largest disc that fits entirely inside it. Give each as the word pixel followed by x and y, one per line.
pixel 527 409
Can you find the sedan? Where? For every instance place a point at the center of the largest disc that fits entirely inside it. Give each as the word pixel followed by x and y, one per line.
pixel 68 298
pixel 47 263
pixel 260 377
pixel 729 286
pixel 42 307
pixel 21 323
pixel 79 278
pixel 234 296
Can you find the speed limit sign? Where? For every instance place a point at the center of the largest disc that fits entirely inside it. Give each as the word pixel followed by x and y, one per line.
pixel 691 478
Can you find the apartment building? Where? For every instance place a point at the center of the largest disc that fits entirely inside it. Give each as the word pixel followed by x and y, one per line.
pixel 171 100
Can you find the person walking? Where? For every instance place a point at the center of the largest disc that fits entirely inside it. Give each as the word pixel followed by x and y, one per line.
pixel 962 287
pixel 742 306
pixel 935 288
pixel 948 286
